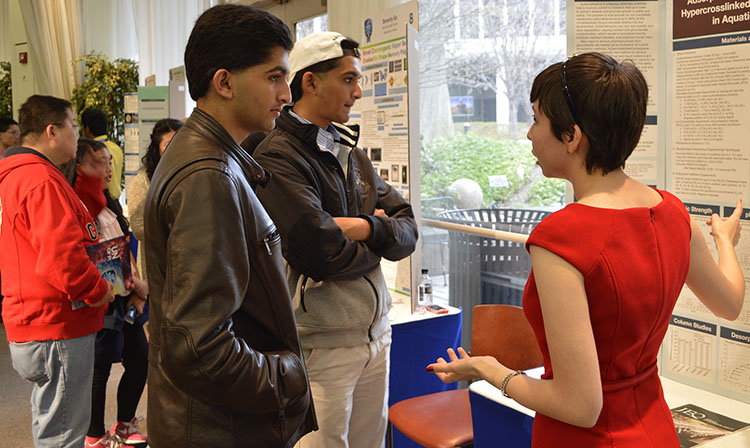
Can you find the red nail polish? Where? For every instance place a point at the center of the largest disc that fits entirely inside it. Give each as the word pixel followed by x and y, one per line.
pixel 428 369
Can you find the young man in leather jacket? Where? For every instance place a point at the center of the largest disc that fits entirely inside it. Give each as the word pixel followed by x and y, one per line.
pixel 337 218
pixel 225 367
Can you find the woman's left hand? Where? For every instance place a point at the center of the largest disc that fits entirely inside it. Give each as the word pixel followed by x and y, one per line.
pixel 461 369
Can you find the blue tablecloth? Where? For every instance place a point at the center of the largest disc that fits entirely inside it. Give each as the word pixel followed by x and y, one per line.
pixel 494 422
pixel 415 345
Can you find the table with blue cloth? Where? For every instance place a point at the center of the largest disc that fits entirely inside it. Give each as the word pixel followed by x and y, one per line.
pixel 417 342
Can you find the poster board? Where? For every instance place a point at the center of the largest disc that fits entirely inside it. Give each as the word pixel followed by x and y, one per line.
pixel 153 105
pixel 389 124
pixel 708 168
pixel 629 30
pixel 696 59
pixel 130 145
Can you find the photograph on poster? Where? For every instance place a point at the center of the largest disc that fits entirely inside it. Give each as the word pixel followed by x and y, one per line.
pixel 376 154
pixel 404 176
pixel 394 173
pixel 384 174
pixel 381 117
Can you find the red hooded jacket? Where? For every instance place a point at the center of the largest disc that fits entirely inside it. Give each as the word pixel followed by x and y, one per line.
pixel 44 229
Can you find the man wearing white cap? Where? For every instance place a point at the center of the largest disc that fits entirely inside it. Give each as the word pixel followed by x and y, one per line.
pixel 337 218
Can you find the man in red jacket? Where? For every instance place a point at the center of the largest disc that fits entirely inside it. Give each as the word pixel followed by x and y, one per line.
pixel 54 296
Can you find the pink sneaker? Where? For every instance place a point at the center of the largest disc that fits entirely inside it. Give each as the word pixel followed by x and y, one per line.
pixel 98 442
pixel 127 432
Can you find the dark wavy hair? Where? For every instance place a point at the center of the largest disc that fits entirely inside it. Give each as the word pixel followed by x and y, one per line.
pixel 5 123
pixel 232 37
pixel 151 159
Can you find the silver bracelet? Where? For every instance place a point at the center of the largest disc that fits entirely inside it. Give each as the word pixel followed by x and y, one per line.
pixel 506 380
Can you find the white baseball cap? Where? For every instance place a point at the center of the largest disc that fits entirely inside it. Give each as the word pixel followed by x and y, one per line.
pixel 317 47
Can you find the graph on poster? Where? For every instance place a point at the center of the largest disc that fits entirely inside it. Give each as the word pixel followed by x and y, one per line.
pixel 691 353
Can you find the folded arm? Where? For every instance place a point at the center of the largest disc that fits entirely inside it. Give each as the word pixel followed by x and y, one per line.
pixel 312 241
pixel 394 231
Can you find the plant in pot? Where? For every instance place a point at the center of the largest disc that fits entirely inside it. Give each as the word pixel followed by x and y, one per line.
pixel 6 93
pixel 104 86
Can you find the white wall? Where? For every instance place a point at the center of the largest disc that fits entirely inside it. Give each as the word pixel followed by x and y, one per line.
pixel 295 11
pixel 345 16
pixel 109 28
pixel 22 75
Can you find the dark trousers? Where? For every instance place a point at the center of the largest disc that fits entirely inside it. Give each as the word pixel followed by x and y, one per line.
pixel 132 383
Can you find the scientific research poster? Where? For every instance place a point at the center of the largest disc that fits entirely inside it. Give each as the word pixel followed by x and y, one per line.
pixel 629 30
pixel 383 115
pixel 695 56
pixel 708 168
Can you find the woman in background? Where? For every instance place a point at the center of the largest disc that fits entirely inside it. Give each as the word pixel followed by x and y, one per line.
pixel 606 270
pixel 162 134
pixel 90 174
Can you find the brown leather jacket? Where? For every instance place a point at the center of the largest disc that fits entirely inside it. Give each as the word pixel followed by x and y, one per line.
pixel 225 368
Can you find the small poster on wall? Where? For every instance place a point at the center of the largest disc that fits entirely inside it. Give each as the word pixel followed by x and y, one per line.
pixel 462 106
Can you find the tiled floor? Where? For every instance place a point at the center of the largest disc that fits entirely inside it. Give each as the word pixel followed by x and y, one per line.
pixel 15 410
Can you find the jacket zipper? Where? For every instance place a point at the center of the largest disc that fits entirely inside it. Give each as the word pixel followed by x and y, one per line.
pixel 268 247
pixel 377 307
pixel 342 176
pixel 272 239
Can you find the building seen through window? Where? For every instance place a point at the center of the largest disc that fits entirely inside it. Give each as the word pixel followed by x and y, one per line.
pixel 309 26
pixel 478 59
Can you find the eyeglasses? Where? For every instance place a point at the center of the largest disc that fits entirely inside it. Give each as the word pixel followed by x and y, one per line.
pixel 14 132
pixel 73 124
pixel 566 91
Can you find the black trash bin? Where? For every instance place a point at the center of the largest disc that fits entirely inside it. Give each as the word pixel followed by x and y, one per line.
pixel 485 270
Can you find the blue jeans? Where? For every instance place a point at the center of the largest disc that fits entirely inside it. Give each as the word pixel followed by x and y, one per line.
pixel 61 371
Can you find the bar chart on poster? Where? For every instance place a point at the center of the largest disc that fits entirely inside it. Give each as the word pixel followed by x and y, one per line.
pixel 695 57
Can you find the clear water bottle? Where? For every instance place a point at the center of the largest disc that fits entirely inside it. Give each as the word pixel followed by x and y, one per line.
pixel 425 291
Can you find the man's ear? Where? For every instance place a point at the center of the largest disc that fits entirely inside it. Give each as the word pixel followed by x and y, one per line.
pixel 51 131
pixel 309 81
pixel 222 83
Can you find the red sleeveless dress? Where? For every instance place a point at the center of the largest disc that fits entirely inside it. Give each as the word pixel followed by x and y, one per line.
pixel 634 263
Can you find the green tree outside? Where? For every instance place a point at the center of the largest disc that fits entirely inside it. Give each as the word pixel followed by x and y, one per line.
pixel 475 157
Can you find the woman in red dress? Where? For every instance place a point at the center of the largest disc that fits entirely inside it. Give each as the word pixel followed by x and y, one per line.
pixel 607 270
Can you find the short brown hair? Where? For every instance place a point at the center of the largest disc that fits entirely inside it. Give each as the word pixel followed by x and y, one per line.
pixel 39 111
pixel 609 102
